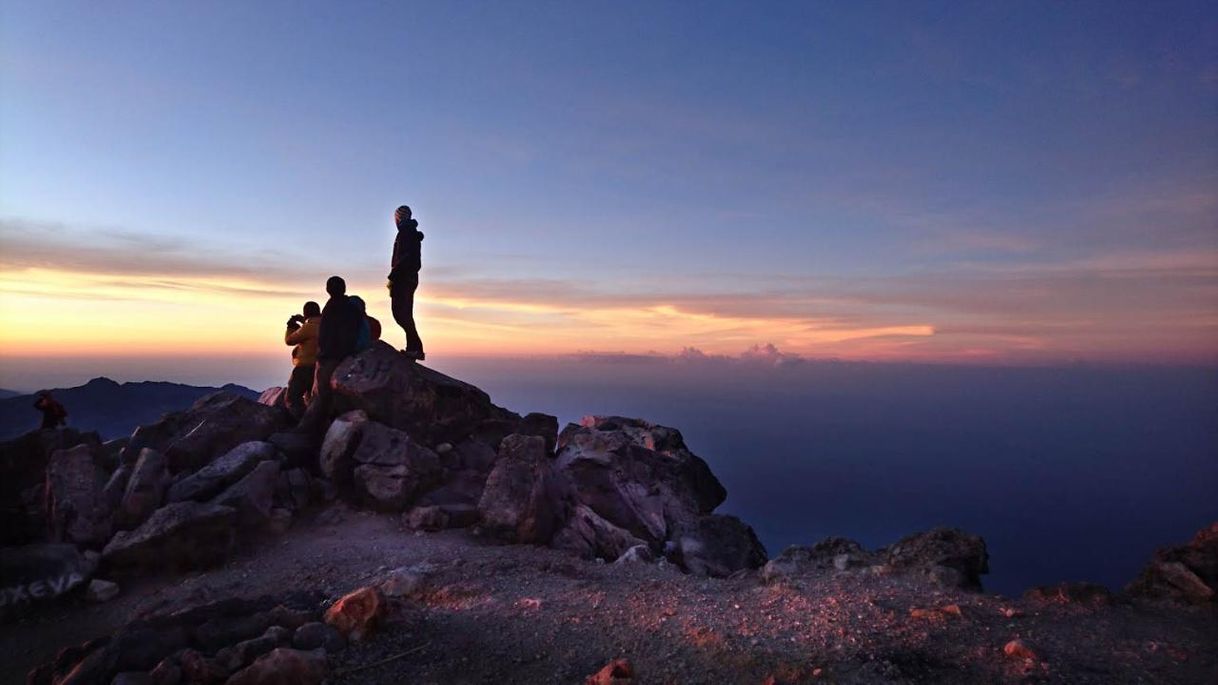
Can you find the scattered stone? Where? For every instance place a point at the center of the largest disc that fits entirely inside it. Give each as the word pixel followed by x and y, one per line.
pixel 101 590
pixel 213 478
pixel 184 534
pixel 356 614
pixel 638 554
pixel 406 580
pixel 616 672
pixel 283 666
pixel 1085 594
pixel 1018 649
pixel 317 635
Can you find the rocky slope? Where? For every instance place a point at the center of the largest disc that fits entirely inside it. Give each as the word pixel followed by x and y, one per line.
pixel 208 489
pixel 112 409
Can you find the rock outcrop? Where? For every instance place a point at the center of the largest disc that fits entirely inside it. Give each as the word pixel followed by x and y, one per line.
pixel 522 500
pixel 77 511
pixel 213 478
pixel 949 556
pixel 212 426
pixel 1185 573
pixel 181 535
pixel 145 489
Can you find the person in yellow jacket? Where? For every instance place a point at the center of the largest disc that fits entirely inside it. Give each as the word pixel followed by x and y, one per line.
pixel 302 334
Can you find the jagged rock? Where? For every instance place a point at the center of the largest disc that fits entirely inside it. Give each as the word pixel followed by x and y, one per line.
pixel 283 666
pixel 939 552
pixel 356 614
pixel 458 488
pixel 252 496
pixel 101 590
pixel 183 534
pixel 200 670
pixel 522 499
pixel 294 489
pixel 1086 594
pixel 591 537
pixel 116 486
pixel 342 438
pixel 616 672
pixel 832 552
pixel 637 476
pixel 113 449
pixel 23 469
pixel 408 396
pixel 273 397
pixel 76 507
pixel 543 426
pixel 317 635
pixel 38 573
pixel 719 545
pixel 210 480
pixel 1187 573
pixel 245 652
pixel 145 489
pixel 212 426
pixel 389 469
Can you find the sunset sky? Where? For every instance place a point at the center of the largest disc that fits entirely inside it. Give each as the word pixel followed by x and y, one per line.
pixel 1012 182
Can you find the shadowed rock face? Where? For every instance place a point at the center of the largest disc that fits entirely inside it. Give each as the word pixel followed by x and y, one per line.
pixel 211 427
pixel 23 466
pixel 210 480
pixel 182 535
pixel 522 501
pixel 76 508
pixel 1187 573
pixel 962 554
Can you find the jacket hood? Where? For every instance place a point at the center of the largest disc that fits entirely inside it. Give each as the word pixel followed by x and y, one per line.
pixel 408 225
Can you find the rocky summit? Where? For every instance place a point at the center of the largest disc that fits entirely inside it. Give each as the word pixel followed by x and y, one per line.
pixel 429 535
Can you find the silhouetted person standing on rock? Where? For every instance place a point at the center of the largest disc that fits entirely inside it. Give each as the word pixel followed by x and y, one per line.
pixel 53 413
pixel 302 332
pixel 336 340
pixel 404 278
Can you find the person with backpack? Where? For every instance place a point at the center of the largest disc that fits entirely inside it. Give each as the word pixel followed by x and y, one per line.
pixel 370 328
pixel 404 278
pixel 302 332
pixel 337 336
pixel 53 413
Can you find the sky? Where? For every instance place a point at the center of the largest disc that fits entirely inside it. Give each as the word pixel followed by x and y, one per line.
pixel 997 183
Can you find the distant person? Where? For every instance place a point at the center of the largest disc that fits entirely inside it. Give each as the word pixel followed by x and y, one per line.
pixel 53 413
pixel 336 340
pixel 302 332
pixel 404 278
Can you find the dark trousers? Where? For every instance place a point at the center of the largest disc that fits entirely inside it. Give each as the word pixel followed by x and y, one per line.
pixel 299 385
pixel 316 417
pixel 401 297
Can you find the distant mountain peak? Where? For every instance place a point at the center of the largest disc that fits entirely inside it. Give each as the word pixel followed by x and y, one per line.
pixel 102 382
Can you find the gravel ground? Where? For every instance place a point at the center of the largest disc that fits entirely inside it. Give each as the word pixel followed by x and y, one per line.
pixel 519 614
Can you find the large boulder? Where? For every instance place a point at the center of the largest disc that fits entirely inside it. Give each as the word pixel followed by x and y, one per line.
pixel 252 496
pixel 592 537
pixel 145 489
pixel 34 574
pixel 831 553
pixel 719 545
pixel 523 500
pixel 76 507
pixel 638 476
pixel 949 556
pixel 183 534
pixel 210 480
pixel 23 468
pixel 211 427
pixel 384 466
pixel 427 404
pixel 1185 573
pixel 283 666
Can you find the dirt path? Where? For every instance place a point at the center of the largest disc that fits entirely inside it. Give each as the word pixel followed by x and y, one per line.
pixel 518 614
